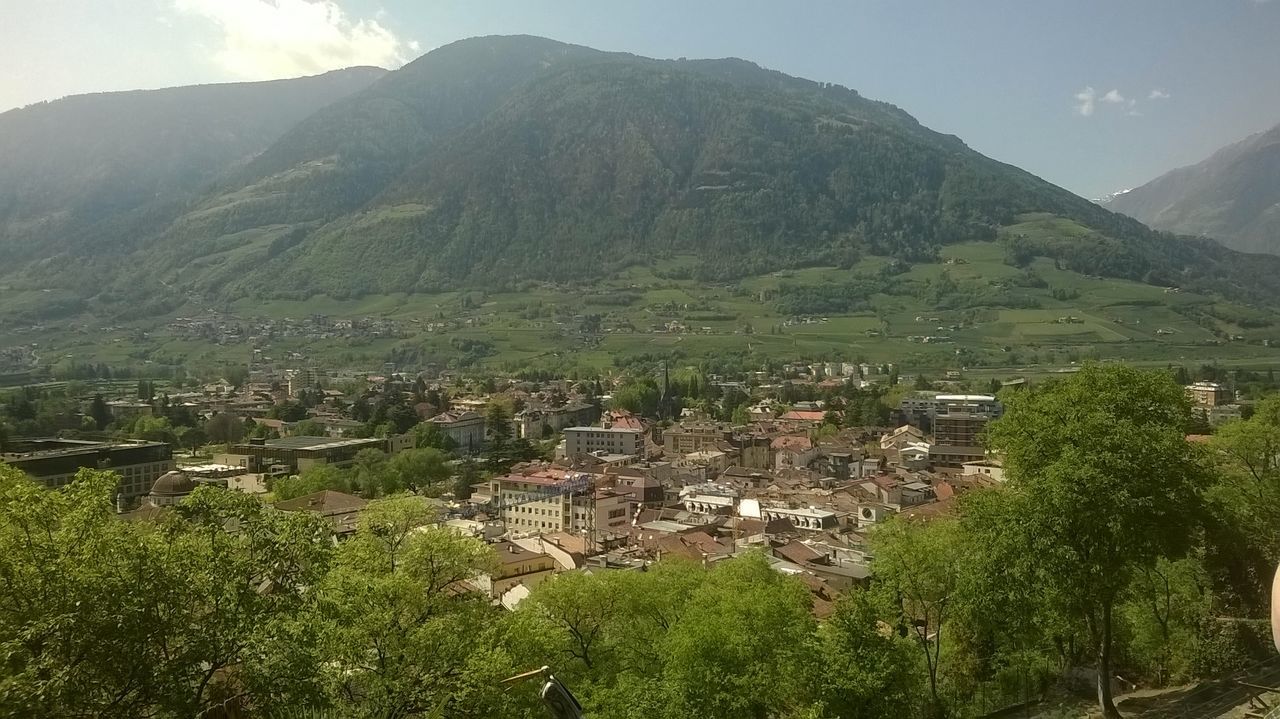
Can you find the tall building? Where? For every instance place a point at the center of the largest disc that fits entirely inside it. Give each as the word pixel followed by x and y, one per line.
pixel 55 462
pixel 541 501
pixel 683 439
pixel 1208 394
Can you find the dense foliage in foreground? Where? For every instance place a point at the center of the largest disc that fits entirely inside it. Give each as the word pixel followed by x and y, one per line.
pixel 1116 545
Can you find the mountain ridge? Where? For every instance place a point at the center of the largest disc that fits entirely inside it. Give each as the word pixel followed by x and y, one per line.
pixel 493 161
pixel 1232 196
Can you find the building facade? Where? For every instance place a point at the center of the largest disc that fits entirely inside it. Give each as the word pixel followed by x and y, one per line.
pixel 55 462
pixel 465 428
pixel 290 455
pixel 610 440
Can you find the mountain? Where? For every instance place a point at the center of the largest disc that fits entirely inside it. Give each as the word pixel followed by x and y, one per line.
pixel 72 171
pixel 499 160
pixel 1234 196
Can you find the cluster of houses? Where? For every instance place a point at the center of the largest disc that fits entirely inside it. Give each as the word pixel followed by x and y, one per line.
pixel 621 491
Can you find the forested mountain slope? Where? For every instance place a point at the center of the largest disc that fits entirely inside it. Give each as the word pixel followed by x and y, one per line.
pixel 73 170
pixel 501 159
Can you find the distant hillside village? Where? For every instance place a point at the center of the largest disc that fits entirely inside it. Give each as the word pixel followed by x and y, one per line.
pixel 564 474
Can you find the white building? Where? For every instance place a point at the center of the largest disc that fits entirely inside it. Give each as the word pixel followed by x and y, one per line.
pixel 610 440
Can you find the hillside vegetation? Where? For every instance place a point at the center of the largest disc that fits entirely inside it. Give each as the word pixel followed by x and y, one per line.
pixel 501 159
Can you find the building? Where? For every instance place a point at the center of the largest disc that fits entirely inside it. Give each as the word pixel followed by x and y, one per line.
pixel 290 455
pixel 955 455
pixel 960 419
pixel 802 517
pixel 305 378
pixel 465 428
pixel 537 423
pixel 54 462
pixel 341 509
pixel 991 469
pixel 1208 394
pixel 170 489
pixel 550 499
pixel 683 439
pixel 922 408
pixel 517 565
pixel 610 440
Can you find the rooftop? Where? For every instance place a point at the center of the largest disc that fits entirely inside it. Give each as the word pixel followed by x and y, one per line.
pixel 317 443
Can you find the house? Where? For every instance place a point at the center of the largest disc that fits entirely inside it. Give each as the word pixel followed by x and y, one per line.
pixel 812 416
pixel 517 565
pixel 465 427
pixel 989 468
pixel 901 437
pixel 341 509
pixel 792 451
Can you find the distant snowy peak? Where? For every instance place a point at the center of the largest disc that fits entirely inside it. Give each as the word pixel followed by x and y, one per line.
pixel 1106 199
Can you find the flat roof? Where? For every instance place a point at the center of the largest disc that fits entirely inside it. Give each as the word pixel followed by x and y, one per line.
pixel 316 442
pixel 965 398
pixel 48 447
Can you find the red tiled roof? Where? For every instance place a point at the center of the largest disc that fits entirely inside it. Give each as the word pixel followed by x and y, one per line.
pixel 804 415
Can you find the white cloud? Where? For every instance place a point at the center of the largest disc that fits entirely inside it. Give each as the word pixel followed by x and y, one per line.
pixel 1113 96
pixel 1085 100
pixel 1157 94
pixel 265 39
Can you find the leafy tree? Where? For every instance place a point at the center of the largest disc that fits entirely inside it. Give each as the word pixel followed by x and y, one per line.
pixel 468 475
pixel 224 428
pixel 236 375
pixel 429 434
pixel 400 638
pixel 313 479
pixel 416 470
pixel 309 428
pixel 193 438
pixel 917 568
pixel 369 471
pixel 100 413
pixel 1102 484
pixel 289 411
pixel 859 671
pixel 134 619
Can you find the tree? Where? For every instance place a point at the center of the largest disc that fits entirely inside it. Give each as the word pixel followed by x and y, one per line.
pixel 416 469
pixel 369 471
pixel 236 375
pixel 859 671
pixel 468 475
pixel 401 639
pixel 193 438
pixel 309 428
pixel 224 428
pixel 1102 484
pixel 429 434
pixel 498 424
pixel 313 479
pixel 137 619
pixel 100 413
pixel 916 571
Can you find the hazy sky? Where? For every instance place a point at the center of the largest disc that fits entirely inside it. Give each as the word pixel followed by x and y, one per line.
pixel 1094 95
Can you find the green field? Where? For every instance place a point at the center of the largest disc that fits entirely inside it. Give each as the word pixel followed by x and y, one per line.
pixel 1065 318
